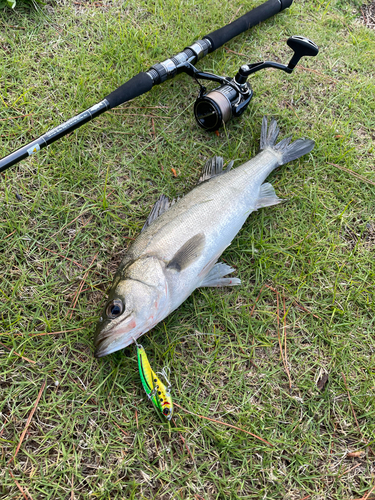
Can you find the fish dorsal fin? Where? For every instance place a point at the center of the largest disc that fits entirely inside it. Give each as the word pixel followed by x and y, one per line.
pixel 267 196
pixel 214 167
pixel 188 253
pixel 161 206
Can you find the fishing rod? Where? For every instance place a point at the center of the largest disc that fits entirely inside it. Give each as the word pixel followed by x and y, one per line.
pixel 212 109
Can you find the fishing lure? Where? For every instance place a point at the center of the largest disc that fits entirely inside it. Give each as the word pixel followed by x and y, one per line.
pixel 157 392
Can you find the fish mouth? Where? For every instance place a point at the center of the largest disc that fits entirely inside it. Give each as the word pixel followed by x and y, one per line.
pixel 119 336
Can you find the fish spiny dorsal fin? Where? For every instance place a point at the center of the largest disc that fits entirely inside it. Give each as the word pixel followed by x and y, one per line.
pixel 188 253
pixel 214 167
pixel 159 208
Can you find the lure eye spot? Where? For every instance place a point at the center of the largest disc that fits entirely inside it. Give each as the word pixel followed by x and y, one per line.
pixel 166 411
pixel 115 308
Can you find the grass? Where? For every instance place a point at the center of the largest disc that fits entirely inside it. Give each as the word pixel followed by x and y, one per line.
pixel 307 266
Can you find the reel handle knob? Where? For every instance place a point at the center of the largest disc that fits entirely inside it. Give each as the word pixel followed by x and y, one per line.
pixel 301 46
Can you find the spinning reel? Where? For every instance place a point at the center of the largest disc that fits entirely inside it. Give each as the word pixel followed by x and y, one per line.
pixel 213 109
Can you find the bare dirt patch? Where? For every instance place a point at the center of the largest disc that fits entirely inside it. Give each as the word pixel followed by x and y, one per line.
pixel 368 15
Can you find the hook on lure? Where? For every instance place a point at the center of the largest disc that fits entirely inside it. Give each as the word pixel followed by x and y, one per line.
pixel 157 392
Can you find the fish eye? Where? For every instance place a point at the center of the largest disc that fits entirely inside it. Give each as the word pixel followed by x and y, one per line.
pixel 114 308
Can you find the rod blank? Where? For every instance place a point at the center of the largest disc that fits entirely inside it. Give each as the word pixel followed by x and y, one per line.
pixel 144 81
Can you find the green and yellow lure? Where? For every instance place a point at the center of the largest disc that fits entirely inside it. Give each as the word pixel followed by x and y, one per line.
pixel 157 392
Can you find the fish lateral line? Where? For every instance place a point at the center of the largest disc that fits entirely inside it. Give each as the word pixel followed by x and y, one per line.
pixel 185 240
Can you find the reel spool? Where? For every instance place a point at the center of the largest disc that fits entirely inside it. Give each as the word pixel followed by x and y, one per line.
pixel 214 109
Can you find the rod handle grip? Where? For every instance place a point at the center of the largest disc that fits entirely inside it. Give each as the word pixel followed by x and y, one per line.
pixel 268 9
pixel 136 86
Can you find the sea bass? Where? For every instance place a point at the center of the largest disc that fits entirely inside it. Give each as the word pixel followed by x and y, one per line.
pixel 181 242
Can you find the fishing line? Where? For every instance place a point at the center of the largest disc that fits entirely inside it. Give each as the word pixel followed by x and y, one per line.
pixel 231 411
pixel 211 110
pixel 157 138
pixel 51 22
pixel 195 335
pixel 228 412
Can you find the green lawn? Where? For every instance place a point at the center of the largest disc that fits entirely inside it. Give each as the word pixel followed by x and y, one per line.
pixel 73 427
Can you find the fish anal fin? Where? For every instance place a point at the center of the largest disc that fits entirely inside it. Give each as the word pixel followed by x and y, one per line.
pixel 267 196
pixel 188 253
pixel 162 205
pixel 213 167
pixel 215 277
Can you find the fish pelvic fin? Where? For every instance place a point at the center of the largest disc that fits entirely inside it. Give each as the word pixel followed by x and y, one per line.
pixel 215 277
pixel 214 167
pixel 287 151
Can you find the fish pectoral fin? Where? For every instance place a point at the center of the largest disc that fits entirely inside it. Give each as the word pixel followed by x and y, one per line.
pixel 213 167
pixel 161 206
pixel 188 253
pixel 216 276
pixel 267 196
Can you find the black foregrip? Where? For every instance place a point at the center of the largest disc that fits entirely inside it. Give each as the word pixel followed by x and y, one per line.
pixel 136 86
pixel 248 20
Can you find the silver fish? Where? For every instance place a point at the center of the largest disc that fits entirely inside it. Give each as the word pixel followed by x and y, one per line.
pixel 178 248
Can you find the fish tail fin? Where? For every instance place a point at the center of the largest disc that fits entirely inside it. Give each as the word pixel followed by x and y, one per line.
pixel 288 152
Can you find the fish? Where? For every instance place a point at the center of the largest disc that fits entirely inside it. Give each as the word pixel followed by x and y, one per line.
pixel 181 242
pixel 157 392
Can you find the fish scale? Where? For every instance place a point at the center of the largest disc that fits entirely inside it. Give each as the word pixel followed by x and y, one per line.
pixel 181 241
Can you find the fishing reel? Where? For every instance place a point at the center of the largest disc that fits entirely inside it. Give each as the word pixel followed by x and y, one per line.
pixel 214 108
